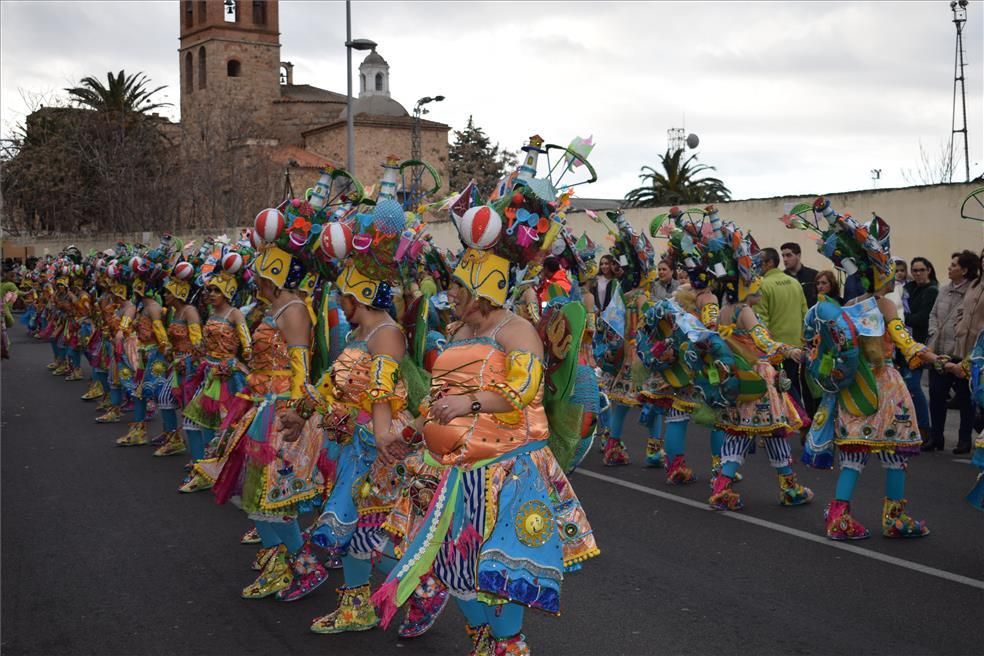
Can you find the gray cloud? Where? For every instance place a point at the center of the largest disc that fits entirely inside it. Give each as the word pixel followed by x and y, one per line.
pixel 787 97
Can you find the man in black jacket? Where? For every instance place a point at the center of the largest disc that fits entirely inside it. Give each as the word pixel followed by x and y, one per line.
pixel 805 275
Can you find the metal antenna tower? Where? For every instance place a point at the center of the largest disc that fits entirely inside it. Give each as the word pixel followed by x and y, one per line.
pixel 959 8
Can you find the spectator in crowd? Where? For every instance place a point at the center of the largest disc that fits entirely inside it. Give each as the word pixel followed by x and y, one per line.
pixel 918 299
pixel 665 284
pixel 970 323
pixel 794 268
pixel 898 292
pixel 682 276
pixel 782 310
pixel 617 270
pixel 963 270
pixel 827 285
pixel 553 274
pixel 604 284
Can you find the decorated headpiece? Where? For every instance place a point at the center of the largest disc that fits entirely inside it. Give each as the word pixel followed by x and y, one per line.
pixel 181 282
pixel 713 252
pixel 634 252
pixel 517 228
pixel 290 238
pixel 852 246
pixel 382 242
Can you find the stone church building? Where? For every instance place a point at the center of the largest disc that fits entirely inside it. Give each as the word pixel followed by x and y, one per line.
pixel 232 71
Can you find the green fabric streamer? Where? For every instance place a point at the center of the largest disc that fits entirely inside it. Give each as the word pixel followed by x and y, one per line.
pixel 417 381
pixel 320 361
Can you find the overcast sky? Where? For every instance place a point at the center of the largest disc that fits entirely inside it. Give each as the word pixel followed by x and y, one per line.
pixel 786 97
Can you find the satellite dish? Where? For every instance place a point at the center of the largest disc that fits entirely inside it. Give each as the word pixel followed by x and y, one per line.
pixel 692 141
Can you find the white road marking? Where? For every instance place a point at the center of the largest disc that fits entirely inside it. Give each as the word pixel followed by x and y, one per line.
pixel 843 546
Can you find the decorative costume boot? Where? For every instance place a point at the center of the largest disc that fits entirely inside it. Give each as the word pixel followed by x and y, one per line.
pixel 94 392
pixel 483 644
pixel 841 525
pixel 262 558
pixel 276 576
pixel 105 403
pixel 716 469
pixel 112 416
pixel 792 493
pixel 308 574
pixel 723 497
pixel 74 374
pixel 54 365
pixel 173 445
pixel 678 473
pixel 897 524
pixel 137 435
pixel 194 482
pixel 614 453
pixel 62 369
pixel 355 612
pixel 514 646
pixel 655 455
pixel 252 536
pixel 424 607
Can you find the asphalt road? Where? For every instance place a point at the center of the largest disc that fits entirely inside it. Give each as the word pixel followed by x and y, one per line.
pixel 101 555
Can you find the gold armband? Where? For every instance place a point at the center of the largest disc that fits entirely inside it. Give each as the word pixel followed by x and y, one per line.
pixel 524 377
pixel 126 322
pixel 160 333
pixel 909 347
pixel 298 370
pixel 384 374
pixel 709 315
pixel 246 340
pixel 195 334
pixel 775 351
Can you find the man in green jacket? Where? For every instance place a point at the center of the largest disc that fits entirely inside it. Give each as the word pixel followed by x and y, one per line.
pixel 782 310
pixel 783 305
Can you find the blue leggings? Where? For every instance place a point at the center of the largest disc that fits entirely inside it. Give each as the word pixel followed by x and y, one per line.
pixel 198 438
pixel 169 417
pixel 75 356
pixel 116 396
pixel 101 377
pixel 358 570
pixel 505 620
pixel 139 410
pixel 286 533
pixel 616 419
pixel 852 464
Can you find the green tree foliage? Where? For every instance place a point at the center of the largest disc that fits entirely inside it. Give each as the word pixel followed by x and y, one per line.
pixel 678 183
pixel 472 155
pixel 121 93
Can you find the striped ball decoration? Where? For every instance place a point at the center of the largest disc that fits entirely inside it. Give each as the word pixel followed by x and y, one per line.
pixel 184 270
pixel 480 227
pixel 268 225
pixel 336 240
pixel 113 270
pixel 232 262
pixel 388 217
pixel 139 264
pixel 255 240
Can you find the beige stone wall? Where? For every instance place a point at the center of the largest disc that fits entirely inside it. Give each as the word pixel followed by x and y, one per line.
pixel 925 221
pixel 291 118
pixel 375 143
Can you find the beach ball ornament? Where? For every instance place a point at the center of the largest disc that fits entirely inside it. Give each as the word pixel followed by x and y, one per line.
pixel 232 262
pixel 336 240
pixel 480 227
pixel 183 270
pixel 268 225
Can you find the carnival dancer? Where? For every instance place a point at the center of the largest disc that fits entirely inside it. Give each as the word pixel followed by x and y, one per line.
pixel 504 523
pixel 96 333
pixel 114 309
pixel 866 408
pixel 763 410
pixel 142 340
pixel 78 326
pixel 212 385
pixel 271 468
pixel 376 490
pixel 184 332
pixel 615 344
pixel 972 368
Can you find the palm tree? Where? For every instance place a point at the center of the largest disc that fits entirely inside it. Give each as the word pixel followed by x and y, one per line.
pixel 677 184
pixel 123 93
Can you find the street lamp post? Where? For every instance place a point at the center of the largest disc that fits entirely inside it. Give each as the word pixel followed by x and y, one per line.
pixel 418 110
pixel 350 45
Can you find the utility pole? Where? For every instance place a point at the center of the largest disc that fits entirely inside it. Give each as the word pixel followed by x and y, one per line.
pixel 959 8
